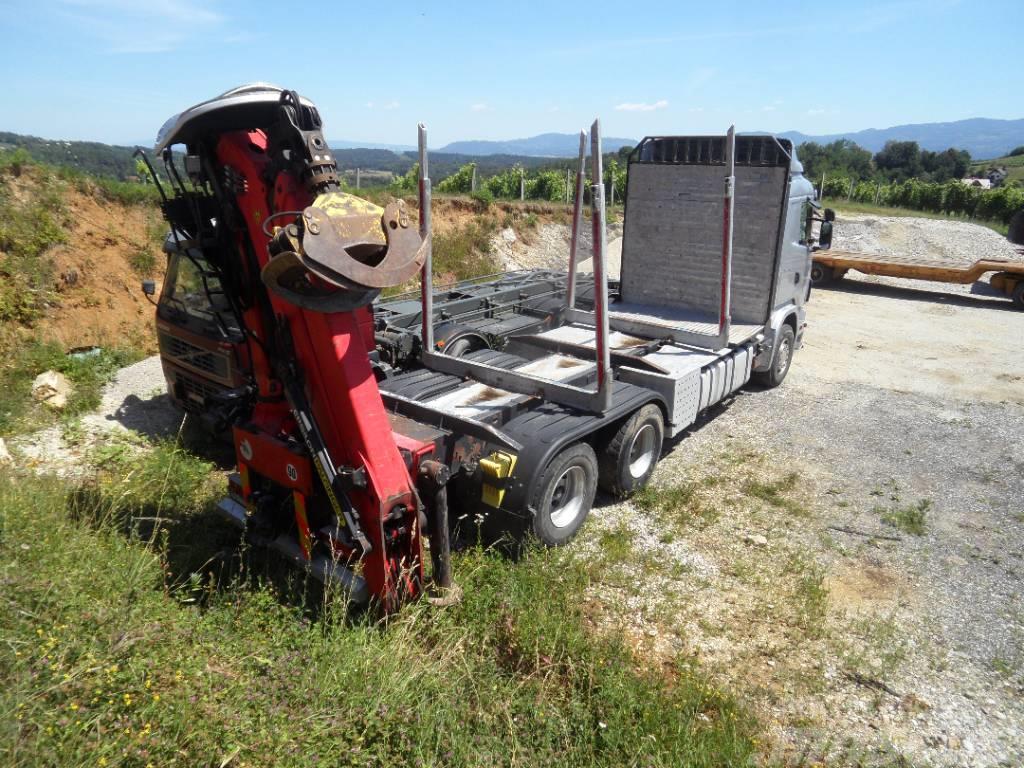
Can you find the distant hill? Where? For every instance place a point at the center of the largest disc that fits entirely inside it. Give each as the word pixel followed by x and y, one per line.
pixel 981 136
pixel 88 156
pixel 543 145
pixel 349 144
pixel 114 161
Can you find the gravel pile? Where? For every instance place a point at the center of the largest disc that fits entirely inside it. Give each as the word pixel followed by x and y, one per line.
pixel 546 247
pixel 921 238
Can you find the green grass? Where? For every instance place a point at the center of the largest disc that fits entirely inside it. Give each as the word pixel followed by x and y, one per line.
pixel 20 365
pixel 677 505
pixel 909 518
pixel 465 251
pixel 774 492
pixel 132 635
pixel 31 223
pixel 842 207
pixel 810 595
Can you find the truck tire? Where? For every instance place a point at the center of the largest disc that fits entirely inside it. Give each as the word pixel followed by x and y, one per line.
pixel 1018 295
pixel 565 494
pixel 821 274
pixel 628 461
pixel 782 357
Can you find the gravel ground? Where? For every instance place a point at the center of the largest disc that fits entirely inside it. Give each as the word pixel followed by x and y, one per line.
pixel 135 401
pixel 901 396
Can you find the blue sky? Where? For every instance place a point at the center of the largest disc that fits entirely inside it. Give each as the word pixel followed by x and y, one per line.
pixel 113 70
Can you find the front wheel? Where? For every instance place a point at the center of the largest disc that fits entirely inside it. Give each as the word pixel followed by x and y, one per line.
pixel 565 494
pixel 782 358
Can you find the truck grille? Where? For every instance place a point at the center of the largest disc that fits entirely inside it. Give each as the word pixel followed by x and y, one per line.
pixel 201 360
pixel 193 390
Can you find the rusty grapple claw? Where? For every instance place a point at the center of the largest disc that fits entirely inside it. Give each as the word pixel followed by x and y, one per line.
pixel 355 248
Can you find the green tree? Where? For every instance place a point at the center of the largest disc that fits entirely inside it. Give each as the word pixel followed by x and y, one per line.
pixel 899 160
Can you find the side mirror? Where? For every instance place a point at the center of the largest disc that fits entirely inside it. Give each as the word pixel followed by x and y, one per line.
pixel 149 287
pixel 830 215
pixel 825 232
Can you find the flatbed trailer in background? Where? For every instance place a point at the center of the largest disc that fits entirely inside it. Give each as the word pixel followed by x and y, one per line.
pixel 1008 277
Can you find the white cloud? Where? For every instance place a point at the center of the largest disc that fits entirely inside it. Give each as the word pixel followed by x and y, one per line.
pixel 391 105
pixel 481 107
pixel 768 108
pixel 695 109
pixel 154 26
pixel 816 111
pixel 641 106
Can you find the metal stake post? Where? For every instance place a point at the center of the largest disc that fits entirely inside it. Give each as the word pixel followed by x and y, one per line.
pixel 724 313
pixel 427 274
pixel 604 364
pixel 522 184
pixel 358 177
pixel 577 220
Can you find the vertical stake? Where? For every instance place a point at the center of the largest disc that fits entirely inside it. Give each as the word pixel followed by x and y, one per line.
pixel 426 274
pixel 577 220
pixel 604 365
pixel 728 207
pixel 358 175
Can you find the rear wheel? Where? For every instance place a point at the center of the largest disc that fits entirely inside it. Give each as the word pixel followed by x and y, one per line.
pixel 565 494
pixel 821 274
pixel 628 461
pixel 1018 295
pixel 782 357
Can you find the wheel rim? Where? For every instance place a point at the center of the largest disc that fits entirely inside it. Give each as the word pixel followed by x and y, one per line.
pixel 568 496
pixel 642 451
pixel 816 274
pixel 784 354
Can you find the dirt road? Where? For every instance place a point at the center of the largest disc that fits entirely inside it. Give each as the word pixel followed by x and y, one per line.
pixel 907 336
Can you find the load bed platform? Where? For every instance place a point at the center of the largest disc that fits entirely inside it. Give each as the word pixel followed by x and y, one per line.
pixel 939 270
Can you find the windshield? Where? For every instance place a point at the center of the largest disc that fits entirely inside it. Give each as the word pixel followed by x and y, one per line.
pixel 187 299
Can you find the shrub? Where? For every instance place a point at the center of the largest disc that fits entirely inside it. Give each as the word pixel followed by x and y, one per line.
pixel 483 198
pixel 460 182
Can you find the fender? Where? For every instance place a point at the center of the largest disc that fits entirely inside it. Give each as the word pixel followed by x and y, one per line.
pixel 799 319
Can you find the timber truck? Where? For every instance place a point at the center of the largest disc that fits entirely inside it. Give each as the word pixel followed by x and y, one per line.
pixel 265 319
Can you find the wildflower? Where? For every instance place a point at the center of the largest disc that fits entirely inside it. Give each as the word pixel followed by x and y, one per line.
pixel 127 699
pixel 74 706
pixel 156 697
pixel 103 761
